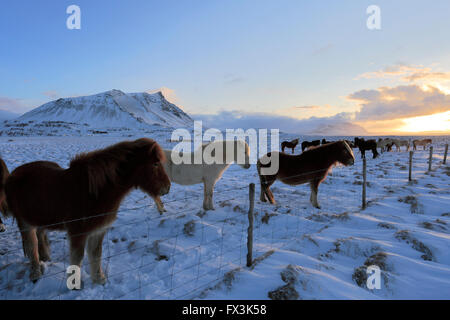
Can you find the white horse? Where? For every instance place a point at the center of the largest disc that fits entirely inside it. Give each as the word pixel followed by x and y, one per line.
pixel 399 143
pixel 214 162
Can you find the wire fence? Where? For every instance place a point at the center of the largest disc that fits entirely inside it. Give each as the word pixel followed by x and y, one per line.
pixel 183 253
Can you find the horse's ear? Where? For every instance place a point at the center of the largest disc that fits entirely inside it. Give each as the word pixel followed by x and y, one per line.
pixel 156 153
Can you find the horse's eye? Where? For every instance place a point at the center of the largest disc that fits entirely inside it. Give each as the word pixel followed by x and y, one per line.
pixel 156 164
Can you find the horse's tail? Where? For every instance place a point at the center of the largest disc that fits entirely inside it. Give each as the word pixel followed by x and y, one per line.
pixel 4 173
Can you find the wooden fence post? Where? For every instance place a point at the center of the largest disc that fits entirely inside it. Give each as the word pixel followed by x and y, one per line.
pixel 410 165
pixel 364 185
pixel 430 158
pixel 250 225
pixel 445 153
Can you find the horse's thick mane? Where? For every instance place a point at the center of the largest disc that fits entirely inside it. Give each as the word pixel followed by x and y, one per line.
pixel 105 165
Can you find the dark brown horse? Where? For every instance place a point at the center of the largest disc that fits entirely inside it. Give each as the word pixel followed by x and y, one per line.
pixel 364 145
pixel 311 166
pixel 4 173
pixel 82 200
pixel 289 144
pixel 307 144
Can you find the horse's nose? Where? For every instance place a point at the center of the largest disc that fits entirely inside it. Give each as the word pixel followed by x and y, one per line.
pixel 165 190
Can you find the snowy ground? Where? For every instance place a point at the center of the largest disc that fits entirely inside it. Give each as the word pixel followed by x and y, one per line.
pixel 189 254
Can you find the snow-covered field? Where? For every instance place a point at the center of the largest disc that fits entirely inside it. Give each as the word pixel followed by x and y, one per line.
pixel 311 253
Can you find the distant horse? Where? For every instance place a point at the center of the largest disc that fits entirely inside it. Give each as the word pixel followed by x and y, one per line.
pixel 307 144
pixel 312 166
pixel 4 173
pixel 190 173
pixel 400 143
pixel 423 143
pixel 289 144
pixel 385 144
pixel 389 147
pixel 350 143
pixel 364 145
pixel 82 200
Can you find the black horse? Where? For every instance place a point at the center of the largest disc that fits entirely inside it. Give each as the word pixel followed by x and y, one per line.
pixel 364 145
pixel 324 141
pixel 307 144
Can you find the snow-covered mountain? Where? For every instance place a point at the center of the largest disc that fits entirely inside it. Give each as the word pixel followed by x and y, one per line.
pixel 113 108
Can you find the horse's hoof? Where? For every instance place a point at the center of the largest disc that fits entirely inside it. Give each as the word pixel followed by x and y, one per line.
pixel 44 257
pixel 2 227
pixel 36 273
pixel 99 279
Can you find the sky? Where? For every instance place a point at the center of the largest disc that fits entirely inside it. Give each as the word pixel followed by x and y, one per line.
pixel 288 64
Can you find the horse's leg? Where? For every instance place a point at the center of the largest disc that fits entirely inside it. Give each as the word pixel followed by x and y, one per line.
pixel 77 245
pixel 314 190
pixel 208 195
pixel 2 226
pixel 94 249
pixel 159 204
pixel 267 190
pixel 262 196
pixel 293 149
pixel 30 249
pixel 43 245
pixel 375 152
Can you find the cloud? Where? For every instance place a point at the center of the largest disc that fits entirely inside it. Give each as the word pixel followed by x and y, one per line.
pixel 340 124
pixel 323 49
pixel 388 103
pixel 393 71
pixel 307 107
pixel 230 79
pixel 406 73
pixel 168 93
pixel 431 76
pixel 10 104
pixel 51 94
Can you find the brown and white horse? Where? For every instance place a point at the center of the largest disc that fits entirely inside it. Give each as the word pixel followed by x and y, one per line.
pixel 312 166
pixel 423 143
pixel 82 200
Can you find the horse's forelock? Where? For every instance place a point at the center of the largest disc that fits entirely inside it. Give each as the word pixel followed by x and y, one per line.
pixel 350 151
